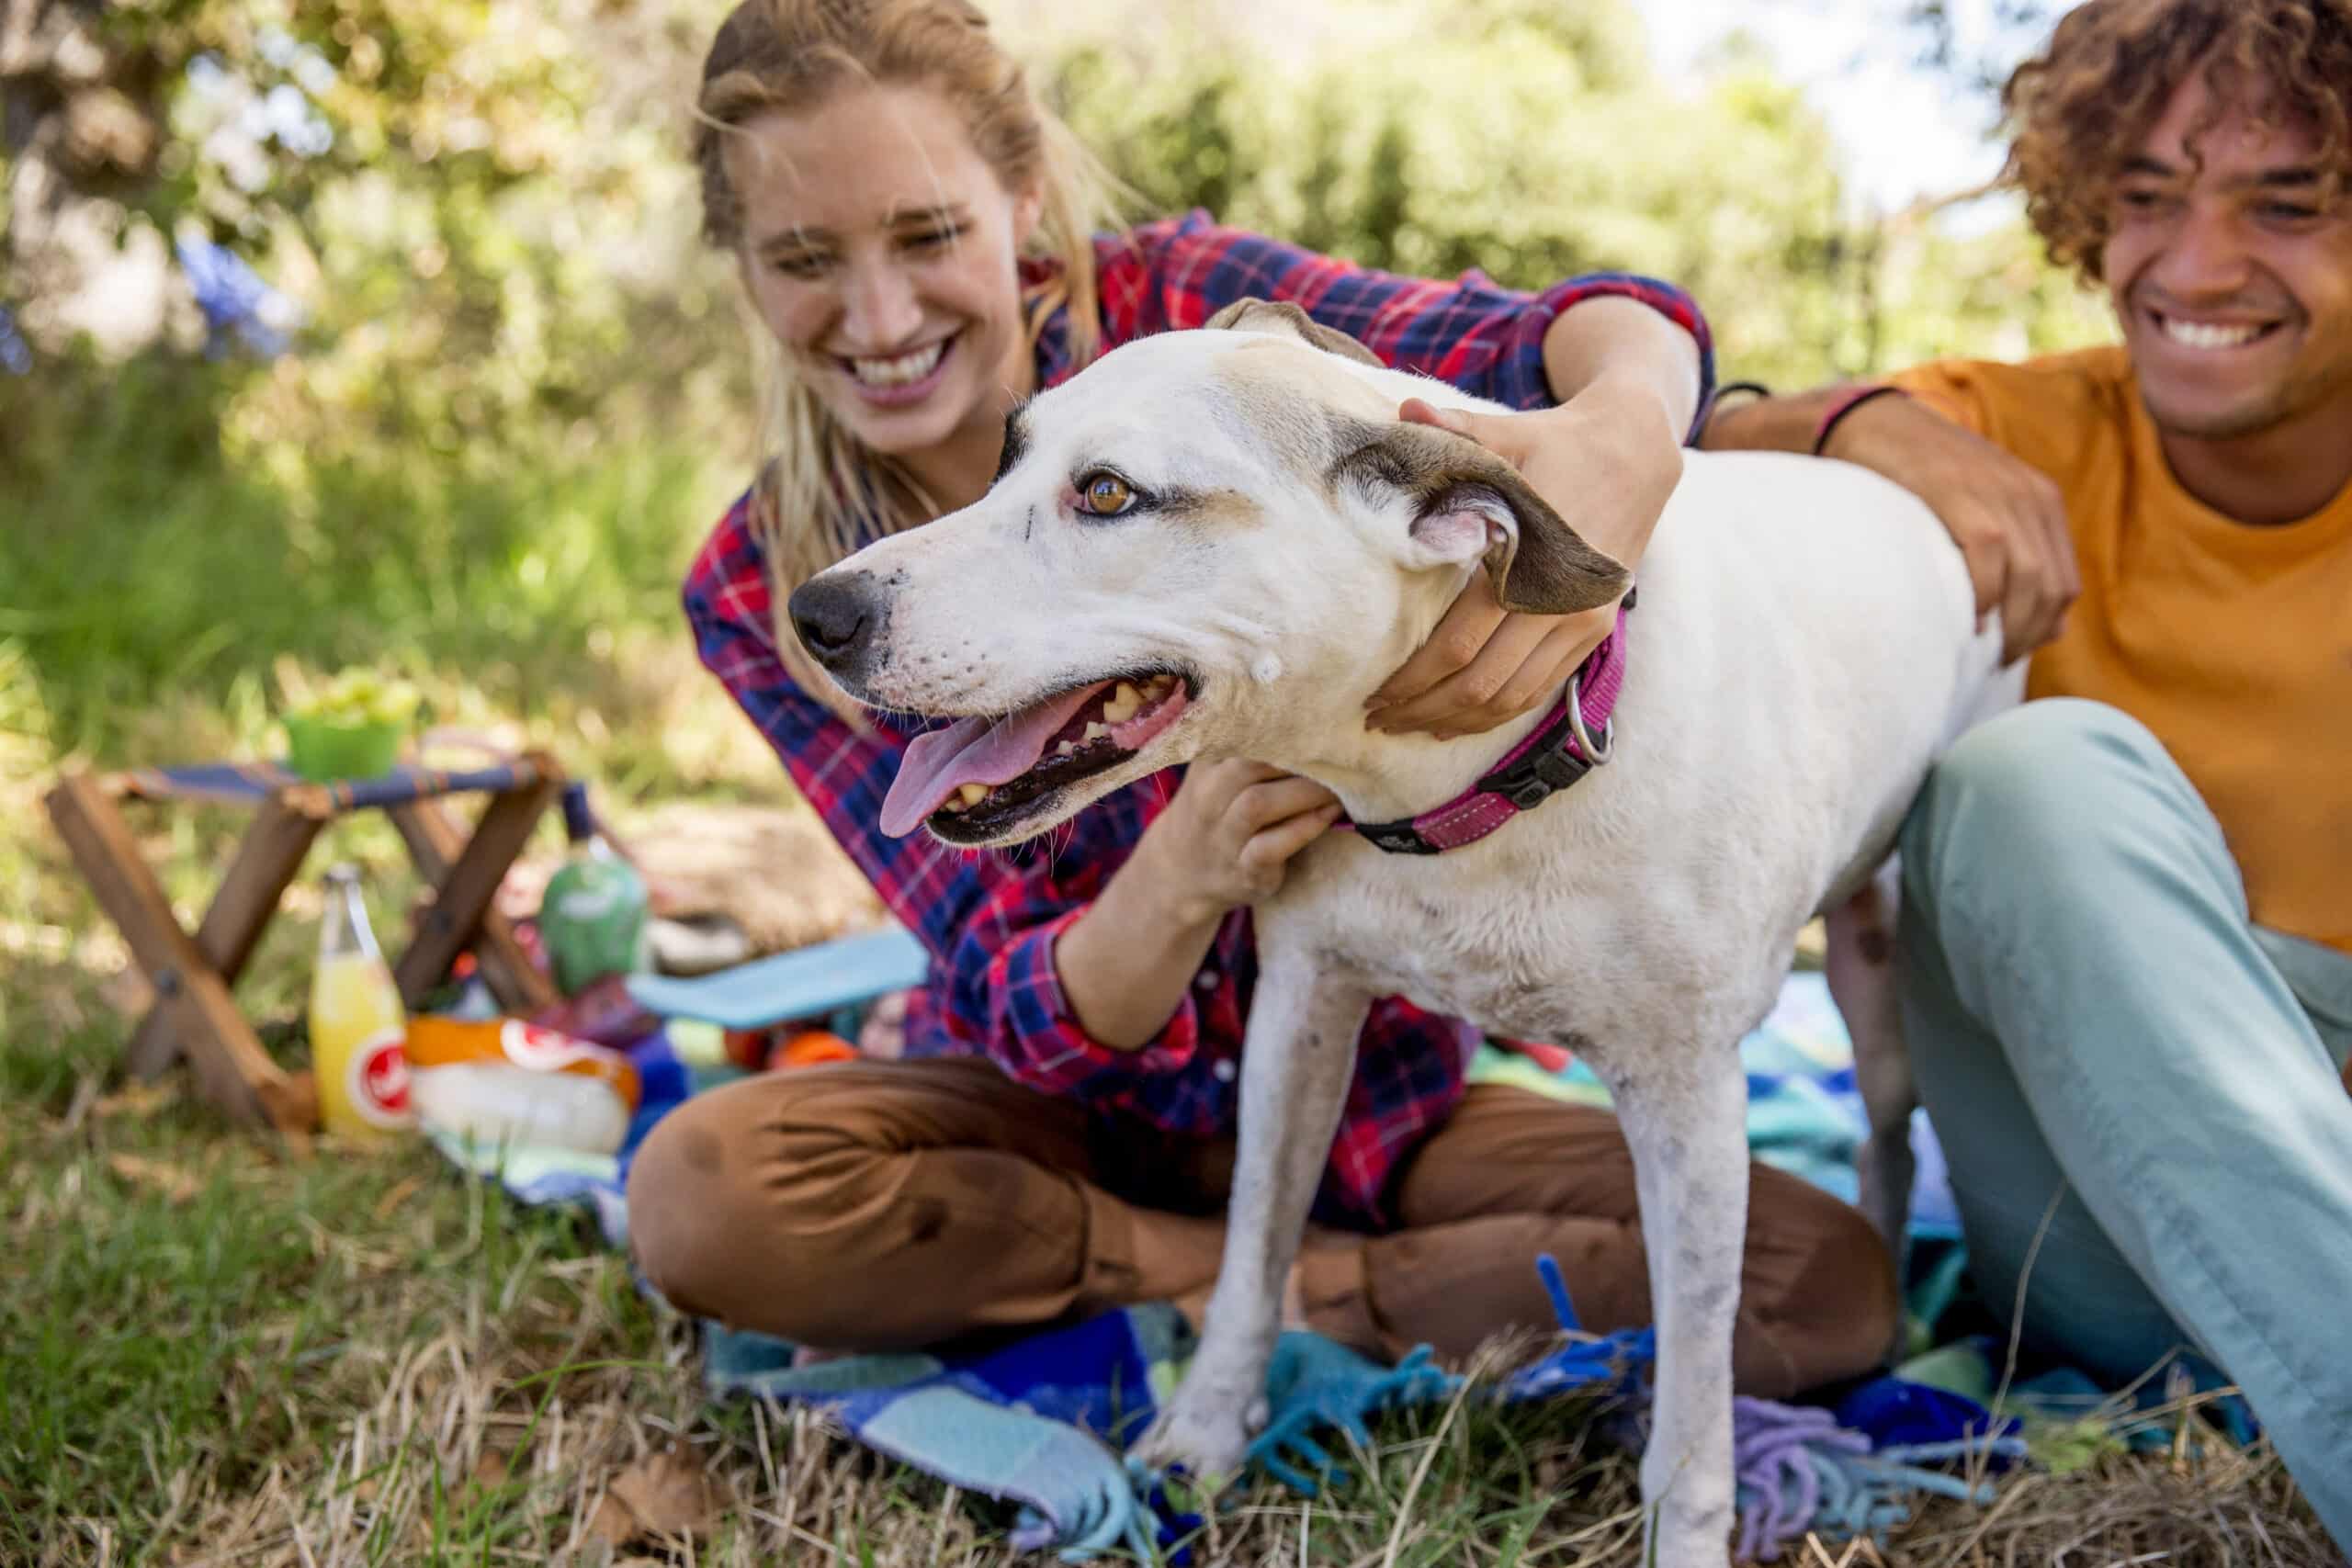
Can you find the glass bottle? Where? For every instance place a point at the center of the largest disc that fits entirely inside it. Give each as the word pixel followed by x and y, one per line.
pixel 357 1021
pixel 592 916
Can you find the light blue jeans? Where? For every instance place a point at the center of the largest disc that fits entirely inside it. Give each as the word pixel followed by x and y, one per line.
pixel 2096 1019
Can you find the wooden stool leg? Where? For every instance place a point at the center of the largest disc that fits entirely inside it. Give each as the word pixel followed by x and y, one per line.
pixel 231 1066
pixel 435 843
pixel 268 857
pixel 462 894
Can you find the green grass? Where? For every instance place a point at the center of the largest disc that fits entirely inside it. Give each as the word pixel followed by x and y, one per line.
pixel 157 568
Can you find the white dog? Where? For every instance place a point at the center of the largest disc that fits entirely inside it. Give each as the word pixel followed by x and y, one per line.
pixel 1216 544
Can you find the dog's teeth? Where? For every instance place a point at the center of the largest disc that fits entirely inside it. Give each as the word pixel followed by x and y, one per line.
pixel 971 794
pixel 1123 704
pixel 1096 731
pixel 1065 749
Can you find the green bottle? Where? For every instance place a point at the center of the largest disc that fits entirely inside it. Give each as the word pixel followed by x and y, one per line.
pixel 591 918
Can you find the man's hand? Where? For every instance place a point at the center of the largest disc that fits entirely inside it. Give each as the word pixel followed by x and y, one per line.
pixel 2008 517
pixel 1228 835
pixel 1607 461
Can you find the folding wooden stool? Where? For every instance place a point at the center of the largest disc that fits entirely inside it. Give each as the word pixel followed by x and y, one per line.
pixel 192 974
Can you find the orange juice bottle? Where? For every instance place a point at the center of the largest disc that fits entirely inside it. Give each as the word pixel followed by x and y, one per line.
pixel 357 1021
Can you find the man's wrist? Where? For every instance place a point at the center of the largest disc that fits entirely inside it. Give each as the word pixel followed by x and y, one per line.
pixel 1842 409
pixel 1877 434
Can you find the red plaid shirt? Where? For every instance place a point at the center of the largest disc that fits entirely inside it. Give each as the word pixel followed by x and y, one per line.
pixel 992 921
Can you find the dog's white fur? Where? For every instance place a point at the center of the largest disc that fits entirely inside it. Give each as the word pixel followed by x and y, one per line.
pixel 1804 649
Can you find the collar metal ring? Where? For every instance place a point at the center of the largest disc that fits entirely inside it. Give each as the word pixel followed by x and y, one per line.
pixel 1595 751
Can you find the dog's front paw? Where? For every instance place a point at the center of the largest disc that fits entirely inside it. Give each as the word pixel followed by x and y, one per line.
pixel 1205 1429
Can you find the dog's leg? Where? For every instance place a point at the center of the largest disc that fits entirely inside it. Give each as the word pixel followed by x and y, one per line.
pixel 1862 981
pixel 1684 1117
pixel 1296 1062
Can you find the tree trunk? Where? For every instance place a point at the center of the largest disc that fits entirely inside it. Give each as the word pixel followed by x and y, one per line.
pixel 81 122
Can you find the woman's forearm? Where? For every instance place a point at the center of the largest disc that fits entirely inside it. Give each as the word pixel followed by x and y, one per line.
pixel 1617 341
pixel 1126 963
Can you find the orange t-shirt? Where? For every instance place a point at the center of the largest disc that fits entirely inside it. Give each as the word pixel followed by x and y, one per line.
pixel 2231 642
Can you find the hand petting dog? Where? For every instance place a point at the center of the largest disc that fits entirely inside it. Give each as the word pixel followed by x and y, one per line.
pixel 2008 517
pixel 1605 460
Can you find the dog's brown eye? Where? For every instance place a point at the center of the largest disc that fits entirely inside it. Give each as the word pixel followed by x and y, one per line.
pixel 1105 494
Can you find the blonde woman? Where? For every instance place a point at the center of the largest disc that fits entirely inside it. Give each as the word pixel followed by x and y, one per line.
pixel 926 246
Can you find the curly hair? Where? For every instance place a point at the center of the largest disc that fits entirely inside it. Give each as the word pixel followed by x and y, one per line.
pixel 2081 108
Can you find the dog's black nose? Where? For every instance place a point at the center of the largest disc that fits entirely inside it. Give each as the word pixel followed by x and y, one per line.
pixel 831 615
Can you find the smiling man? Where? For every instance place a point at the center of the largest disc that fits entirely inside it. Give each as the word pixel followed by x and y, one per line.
pixel 2126 949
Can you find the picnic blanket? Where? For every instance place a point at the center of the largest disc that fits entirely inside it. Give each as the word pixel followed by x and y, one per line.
pixel 1042 1422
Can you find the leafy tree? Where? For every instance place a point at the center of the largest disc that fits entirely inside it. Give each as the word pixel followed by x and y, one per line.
pixel 1532 141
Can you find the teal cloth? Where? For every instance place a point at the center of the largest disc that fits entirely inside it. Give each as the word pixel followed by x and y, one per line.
pixel 2136 1088
pixel 1037 1422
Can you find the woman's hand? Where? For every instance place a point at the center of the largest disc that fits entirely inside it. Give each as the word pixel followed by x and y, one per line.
pixel 1225 840
pixel 1607 461
pixel 2007 516
pixel 1228 837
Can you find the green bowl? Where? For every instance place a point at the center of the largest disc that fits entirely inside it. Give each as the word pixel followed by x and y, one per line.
pixel 323 751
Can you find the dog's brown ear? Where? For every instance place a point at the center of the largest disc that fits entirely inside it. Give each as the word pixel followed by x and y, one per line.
pixel 1284 318
pixel 1469 503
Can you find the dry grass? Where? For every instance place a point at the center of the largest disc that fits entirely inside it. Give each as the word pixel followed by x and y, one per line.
pixel 467 1455
pixel 425 1374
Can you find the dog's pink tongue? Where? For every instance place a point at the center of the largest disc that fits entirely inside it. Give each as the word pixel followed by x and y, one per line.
pixel 974 750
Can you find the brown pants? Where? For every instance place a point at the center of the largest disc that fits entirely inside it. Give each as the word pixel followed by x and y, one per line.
pixel 885 1205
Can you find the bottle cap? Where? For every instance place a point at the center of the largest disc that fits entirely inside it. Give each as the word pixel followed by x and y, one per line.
pixel 579 822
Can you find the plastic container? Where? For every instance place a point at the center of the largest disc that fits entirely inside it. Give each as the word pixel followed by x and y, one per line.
pixel 358 1027
pixel 496 1104
pixel 323 751
pixel 592 916
pixel 436 1042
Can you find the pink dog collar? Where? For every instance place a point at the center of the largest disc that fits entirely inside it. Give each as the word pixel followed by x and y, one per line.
pixel 1572 742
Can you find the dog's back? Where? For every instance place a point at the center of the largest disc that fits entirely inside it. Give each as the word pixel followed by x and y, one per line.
pixel 1823 622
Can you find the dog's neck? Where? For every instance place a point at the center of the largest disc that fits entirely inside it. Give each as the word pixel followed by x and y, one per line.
pixel 1381 777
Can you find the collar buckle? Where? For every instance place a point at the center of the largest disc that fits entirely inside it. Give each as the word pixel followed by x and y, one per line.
pixel 1548 766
